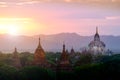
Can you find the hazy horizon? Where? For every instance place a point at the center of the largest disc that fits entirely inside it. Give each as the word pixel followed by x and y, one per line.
pixel 54 43
pixel 56 34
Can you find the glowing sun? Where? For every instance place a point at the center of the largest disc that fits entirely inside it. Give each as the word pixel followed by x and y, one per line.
pixel 12 30
pixel 10 25
pixel 16 26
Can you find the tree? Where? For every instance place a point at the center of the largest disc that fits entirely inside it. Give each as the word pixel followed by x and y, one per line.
pixel 36 73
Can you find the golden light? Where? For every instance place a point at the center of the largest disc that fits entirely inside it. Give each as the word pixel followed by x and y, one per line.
pixel 15 26
pixel 13 30
pixel 9 28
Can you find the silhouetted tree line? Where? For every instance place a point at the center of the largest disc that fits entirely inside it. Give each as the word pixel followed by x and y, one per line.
pixel 103 68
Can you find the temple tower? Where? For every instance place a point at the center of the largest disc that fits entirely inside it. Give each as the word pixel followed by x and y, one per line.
pixel 39 56
pixel 72 51
pixel 64 59
pixel 97 47
pixel 16 59
pixel 64 63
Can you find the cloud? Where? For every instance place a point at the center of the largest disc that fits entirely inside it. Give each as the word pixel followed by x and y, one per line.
pixel 28 2
pixel 3 4
pixel 90 2
pixel 113 17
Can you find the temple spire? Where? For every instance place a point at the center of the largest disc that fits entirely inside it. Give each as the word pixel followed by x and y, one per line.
pixel 96 30
pixel 39 56
pixel 16 59
pixel 39 40
pixel 39 45
pixel 96 37
pixel 63 46
pixel 15 50
pixel 64 63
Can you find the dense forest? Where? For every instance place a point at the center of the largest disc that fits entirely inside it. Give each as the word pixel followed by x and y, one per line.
pixel 84 68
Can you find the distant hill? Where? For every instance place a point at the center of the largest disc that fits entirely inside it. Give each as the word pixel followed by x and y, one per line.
pixel 54 42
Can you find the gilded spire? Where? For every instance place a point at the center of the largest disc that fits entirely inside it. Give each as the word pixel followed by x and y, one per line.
pixel 39 45
pixel 39 55
pixel 39 40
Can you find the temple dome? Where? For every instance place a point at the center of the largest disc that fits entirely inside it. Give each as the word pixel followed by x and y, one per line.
pixel 97 43
pixel 97 46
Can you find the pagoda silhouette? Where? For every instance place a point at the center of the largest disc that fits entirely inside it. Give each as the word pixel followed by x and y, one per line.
pixel 16 59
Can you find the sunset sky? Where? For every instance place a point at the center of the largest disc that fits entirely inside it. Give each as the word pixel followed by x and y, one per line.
pixel 33 17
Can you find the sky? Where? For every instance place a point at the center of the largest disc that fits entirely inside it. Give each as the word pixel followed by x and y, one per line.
pixel 34 17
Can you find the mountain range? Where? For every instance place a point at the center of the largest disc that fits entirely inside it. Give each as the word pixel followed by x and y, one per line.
pixel 54 42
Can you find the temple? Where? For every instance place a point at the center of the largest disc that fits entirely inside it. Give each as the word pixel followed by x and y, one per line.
pixel 72 51
pixel 40 57
pixel 64 60
pixel 64 63
pixel 97 47
pixel 16 59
